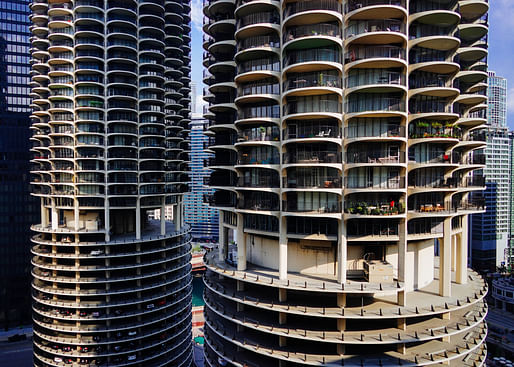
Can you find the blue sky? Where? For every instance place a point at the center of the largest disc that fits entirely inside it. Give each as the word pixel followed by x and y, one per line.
pixel 501 46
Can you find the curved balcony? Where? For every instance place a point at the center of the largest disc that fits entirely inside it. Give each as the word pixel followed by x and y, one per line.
pixel 312 59
pixel 376 31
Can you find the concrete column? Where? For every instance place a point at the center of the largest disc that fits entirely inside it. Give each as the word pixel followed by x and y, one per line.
pixel 241 244
pixel 163 220
pixel 342 250
pixel 44 216
pixel 282 318
pixel 176 214
pixel 454 251
pixel 282 295
pixel 402 256
pixel 461 269
pixel 222 238
pixel 107 215
pixel 55 216
pixel 445 274
pixel 282 249
pixel 76 213
pixel 138 219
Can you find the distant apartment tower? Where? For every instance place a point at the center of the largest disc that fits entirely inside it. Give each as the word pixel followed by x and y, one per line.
pixel 344 136
pixel 202 218
pixel 491 230
pixel 110 122
pixel 18 210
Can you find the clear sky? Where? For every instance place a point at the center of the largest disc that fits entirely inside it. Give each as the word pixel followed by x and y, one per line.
pixel 501 47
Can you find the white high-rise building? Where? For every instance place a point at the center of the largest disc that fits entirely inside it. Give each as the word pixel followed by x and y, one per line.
pixel 490 230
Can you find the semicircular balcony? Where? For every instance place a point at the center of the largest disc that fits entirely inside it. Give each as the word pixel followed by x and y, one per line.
pixel 312 59
pixel 374 129
pixel 312 203
pixel 258 91
pixel 375 105
pixel 307 154
pixel 318 130
pixel 432 84
pixel 258 201
pixel 374 154
pixel 375 80
pixel 315 106
pixel 434 11
pixel 472 9
pixel 432 60
pixel 313 83
pixel 257 68
pixel 375 9
pixel 312 179
pixel 374 205
pixel 266 156
pixel 258 179
pixel 258 134
pixel 375 31
pixel 256 21
pixel 301 35
pixel 300 11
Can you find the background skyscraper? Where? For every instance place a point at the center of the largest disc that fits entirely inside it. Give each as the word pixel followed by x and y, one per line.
pixel 490 231
pixel 18 210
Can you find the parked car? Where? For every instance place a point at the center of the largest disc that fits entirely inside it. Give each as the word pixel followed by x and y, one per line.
pixel 96 252
pixel 131 357
pixel 150 306
pixel 16 337
pixel 58 359
pixel 132 333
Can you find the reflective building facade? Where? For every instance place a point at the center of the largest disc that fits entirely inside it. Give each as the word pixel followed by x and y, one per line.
pixel 490 231
pixel 111 110
pixel 18 210
pixel 202 218
pixel 344 136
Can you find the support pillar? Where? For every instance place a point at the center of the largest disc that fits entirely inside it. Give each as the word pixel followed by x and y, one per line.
pixel 282 341
pixel 176 215
pixel 138 219
pixel 341 325
pixel 163 219
pixel 76 214
pixel 241 244
pixel 55 216
pixel 107 216
pixel 282 249
pixel 282 318
pixel 341 253
pixel 222 238
pixel 282 295
pixel 461 269
pixel 402 256
pixel 445 274
pixel 44 216
pixel 454 251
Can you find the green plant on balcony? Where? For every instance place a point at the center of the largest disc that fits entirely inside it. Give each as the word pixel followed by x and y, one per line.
pixel 437 125
pixel 422 124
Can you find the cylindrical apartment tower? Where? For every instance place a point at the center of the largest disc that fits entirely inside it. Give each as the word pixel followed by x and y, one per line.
pixel 345 134
pixel 110 88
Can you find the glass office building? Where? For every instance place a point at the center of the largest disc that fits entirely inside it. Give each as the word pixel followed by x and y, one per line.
pixel 17 208
pixel 490 231
pixel 202 218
